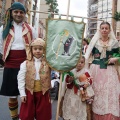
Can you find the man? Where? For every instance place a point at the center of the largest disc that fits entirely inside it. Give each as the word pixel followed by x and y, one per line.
pixel 14 37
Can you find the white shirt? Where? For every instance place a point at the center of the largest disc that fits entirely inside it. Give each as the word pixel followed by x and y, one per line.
pixel 22 73
pixel 18 43
pixel 53 81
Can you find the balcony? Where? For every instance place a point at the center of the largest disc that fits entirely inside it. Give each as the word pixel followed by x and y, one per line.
pixel 93 22
pixel 93 15
pixel 92 28
pixel 94 7
pixel 92 25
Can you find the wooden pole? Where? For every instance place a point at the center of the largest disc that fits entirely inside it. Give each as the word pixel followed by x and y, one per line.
pixel 68 9
pixel 60 86
pixel 68 15
pixel 58 104
pixel 113 12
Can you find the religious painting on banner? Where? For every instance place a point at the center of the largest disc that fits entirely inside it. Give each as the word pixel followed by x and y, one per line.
pixel 63 43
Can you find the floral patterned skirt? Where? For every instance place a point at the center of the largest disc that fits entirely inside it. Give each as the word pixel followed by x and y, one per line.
pixel 107 89
pixel 73 107
pixel 105 117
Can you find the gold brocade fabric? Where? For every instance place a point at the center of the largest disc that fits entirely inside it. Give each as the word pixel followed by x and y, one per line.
pixel 37 86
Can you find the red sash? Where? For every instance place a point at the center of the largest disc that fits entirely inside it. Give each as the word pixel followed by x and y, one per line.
pixel 15 58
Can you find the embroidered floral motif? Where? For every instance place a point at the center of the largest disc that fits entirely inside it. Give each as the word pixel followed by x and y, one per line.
pixel 96 55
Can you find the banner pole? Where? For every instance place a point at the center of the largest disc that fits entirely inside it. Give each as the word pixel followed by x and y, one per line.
pixel 58 103
pixel 68 8
pixel 66 15
pixel 60 86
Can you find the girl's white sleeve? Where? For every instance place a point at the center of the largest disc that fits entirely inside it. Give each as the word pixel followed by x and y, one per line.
pixel 21 79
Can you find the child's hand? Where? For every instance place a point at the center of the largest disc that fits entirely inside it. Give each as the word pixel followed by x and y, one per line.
pixel 70 79
pixel 23 99
pixel 86 85
pixel 88 82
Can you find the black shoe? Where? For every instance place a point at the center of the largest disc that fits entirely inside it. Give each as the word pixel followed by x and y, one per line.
pixel 16 118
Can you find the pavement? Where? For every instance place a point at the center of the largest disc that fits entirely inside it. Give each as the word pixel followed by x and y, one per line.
pixel 1 68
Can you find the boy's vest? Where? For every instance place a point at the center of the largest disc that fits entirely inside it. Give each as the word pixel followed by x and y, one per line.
pixel 26 35
pixel 44 73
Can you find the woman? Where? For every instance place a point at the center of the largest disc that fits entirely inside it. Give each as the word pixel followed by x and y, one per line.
pixel 102 48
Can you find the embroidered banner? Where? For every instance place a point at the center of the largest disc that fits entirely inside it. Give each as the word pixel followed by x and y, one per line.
pixel 63 43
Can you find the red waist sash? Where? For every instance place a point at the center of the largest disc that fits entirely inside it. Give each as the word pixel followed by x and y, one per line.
pixel 15 58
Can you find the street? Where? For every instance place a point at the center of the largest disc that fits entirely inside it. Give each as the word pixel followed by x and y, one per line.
pixel 4 112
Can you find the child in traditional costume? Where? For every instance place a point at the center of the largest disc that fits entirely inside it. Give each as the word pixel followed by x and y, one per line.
pixel 34 84
pixel 74 108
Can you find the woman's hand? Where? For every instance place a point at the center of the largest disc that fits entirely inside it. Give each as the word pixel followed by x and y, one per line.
pixel 23 99
pixel 112 60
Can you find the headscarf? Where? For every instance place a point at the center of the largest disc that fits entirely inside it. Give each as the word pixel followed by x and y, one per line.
pixel 37 41
pixel 95 38
pixel 8 17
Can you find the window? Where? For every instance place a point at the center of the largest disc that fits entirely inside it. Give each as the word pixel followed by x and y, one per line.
pixel 34 7
pixel 118 33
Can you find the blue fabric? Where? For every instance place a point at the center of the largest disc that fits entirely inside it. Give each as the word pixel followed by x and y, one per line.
pixel 19 6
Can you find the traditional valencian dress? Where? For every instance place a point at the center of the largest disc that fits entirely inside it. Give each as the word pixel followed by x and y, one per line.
pixel 14 54
pixel 34 83
pixel 105 82
pixel 73 107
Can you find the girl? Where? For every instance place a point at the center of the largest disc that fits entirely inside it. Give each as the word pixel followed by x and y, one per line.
pixel 73 106
pixel 34 84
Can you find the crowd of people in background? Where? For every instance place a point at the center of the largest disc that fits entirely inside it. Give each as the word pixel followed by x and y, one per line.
pixel 90 91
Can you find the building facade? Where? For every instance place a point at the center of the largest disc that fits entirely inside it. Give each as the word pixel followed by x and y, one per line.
pixel 118 22
pixel 8 4
pixel 92 13
pixel 104 10
pixel 42 21
pixel 34 17
pixel 4 4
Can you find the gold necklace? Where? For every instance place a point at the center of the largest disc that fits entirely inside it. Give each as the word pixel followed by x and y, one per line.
pixel 104 40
